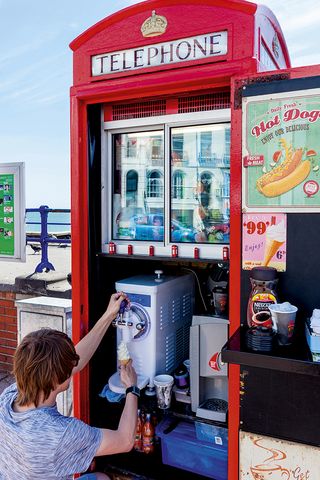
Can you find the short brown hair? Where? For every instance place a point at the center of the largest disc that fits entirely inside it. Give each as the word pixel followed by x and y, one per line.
pixel 43 360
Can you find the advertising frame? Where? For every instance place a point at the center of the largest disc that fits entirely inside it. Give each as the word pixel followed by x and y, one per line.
pixel 277 129
pixel 12 225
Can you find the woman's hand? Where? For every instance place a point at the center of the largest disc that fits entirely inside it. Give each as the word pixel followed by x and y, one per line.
pixel 128 374
pixel 114 305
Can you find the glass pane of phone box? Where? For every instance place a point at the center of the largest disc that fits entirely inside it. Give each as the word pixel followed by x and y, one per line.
pixel 200 185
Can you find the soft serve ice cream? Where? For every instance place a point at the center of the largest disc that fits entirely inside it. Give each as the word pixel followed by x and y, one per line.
pixel 275 237
pixel 123 353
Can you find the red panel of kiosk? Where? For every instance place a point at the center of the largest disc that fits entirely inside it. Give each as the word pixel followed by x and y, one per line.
pixel 254 42
pixel 122 31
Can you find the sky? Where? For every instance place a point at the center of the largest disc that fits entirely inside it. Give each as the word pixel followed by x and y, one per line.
pixel 36 74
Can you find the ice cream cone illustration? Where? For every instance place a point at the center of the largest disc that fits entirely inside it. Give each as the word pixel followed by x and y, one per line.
pixel 123 354
pixel 275 237
pixel 272 246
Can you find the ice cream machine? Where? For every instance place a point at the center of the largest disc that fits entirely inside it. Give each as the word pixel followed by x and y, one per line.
pixel 156 327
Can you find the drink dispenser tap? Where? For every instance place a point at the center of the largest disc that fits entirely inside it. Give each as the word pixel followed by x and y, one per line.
pixel 124 321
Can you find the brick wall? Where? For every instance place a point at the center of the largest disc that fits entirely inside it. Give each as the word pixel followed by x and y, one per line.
pixel 8 330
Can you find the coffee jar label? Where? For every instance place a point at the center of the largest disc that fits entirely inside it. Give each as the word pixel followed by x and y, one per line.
pixel 262 301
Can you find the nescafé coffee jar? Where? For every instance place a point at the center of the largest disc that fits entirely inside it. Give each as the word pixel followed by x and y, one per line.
pixel 263 291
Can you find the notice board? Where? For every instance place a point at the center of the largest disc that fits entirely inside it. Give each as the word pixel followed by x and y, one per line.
pixel 12 212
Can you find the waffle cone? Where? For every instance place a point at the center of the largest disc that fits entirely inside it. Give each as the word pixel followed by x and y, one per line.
pixel 124 362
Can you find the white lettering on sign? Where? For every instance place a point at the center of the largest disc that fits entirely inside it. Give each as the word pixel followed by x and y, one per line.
pixel 182 50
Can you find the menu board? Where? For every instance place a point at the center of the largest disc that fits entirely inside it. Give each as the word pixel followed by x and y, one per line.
pixel 12 212
pixel 281 152
pixel 264 237
pixel 7 214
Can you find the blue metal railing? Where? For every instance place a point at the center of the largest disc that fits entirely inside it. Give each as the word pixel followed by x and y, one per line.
pixel 45 237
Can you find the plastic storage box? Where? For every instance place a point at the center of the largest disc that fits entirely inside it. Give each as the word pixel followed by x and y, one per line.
pixel 197 447
pixel 313 342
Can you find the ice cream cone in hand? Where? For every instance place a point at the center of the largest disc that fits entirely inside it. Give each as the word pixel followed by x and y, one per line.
pixel 123 354
pixel 124 362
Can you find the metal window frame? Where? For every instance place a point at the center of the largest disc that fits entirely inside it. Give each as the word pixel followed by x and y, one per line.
pixel 164 123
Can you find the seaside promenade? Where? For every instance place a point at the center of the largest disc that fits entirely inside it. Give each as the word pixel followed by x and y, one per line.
pixel 20 278
pixel 59 257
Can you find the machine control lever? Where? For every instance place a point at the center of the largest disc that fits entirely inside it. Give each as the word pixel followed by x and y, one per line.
pixel 140 326
pixel 122 309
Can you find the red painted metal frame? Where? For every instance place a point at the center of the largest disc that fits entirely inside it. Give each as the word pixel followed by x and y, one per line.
pixel 79 233
pixel 192 79
pixel 235 254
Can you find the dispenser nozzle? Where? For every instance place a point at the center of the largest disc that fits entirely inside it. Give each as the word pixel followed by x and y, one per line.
pixel 158 274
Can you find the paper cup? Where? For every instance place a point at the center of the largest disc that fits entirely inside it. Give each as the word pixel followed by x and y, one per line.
pixel 186 363
pixel 163 384
pixel 283 323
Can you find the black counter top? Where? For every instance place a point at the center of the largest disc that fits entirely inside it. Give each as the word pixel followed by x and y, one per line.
pixel 295 358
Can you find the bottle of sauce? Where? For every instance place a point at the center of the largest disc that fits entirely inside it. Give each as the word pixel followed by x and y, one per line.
pixel 138 439
pixel 148 435
pixel 263 290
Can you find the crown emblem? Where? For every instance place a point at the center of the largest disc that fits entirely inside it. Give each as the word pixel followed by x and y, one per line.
pixel 154 25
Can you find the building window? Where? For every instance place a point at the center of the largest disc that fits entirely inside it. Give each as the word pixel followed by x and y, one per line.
pixel 206 181
pixel 178 185
pixel 155 185
pixel 131 187
pixel 131 147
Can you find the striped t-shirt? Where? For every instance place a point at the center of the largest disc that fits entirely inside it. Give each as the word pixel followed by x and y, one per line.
pixel 42 444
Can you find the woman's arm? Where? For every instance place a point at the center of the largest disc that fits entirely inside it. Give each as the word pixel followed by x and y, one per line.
pixel 122 439
pixel 89 344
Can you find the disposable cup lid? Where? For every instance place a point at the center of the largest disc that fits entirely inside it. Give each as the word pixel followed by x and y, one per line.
pixel 277 308
pixel 163 380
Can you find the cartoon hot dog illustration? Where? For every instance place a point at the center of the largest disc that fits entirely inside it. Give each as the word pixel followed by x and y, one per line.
pixel 279 187
pixel 286 175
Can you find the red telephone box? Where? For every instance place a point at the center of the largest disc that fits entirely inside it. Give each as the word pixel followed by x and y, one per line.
pixel 161 77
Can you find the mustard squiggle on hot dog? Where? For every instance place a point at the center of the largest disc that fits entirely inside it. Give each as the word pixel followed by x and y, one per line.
pixel 290 163
pixel 285 184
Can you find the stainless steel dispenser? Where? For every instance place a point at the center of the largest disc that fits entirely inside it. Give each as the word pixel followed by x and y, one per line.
pixel 208 376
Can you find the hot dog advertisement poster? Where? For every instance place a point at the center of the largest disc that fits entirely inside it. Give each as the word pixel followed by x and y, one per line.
pixel 281 151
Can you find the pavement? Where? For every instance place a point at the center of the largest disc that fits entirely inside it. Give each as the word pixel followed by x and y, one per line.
pixel 20 277
pixel 59 257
